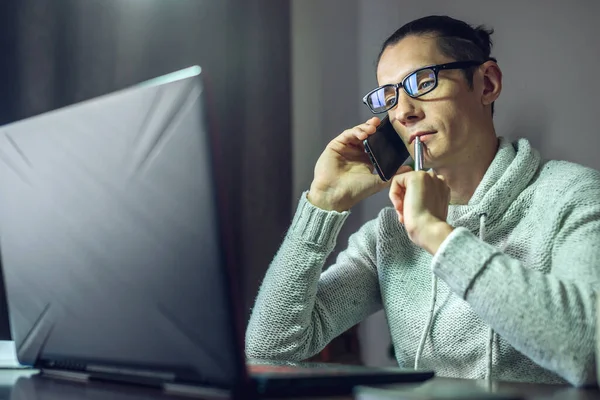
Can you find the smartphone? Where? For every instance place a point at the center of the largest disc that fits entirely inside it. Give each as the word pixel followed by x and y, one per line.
pixel 386 150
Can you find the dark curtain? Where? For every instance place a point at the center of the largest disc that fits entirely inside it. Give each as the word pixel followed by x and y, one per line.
pixel 58 52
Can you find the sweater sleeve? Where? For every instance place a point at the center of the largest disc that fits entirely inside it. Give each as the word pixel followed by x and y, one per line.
pixel 300 309
pixel 549 317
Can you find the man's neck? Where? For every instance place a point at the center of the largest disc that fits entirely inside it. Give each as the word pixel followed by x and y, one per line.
pixel 463 179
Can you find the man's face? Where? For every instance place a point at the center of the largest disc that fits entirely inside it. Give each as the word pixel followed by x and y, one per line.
pixel 451 115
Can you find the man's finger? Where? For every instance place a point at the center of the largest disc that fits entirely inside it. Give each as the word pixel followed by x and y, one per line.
pixel 375 121
pixel 401 179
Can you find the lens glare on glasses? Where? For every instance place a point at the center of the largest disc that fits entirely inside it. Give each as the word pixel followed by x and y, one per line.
pixel 420 82
pixel 382 98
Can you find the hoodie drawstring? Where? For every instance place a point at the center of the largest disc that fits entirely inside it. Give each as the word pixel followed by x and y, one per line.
pixel 491 333
pixel 490 343
pixel 429 321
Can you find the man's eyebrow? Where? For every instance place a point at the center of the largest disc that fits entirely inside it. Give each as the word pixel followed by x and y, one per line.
pixel 411 71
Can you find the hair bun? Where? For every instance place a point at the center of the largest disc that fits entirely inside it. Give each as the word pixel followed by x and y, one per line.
pixel 484 40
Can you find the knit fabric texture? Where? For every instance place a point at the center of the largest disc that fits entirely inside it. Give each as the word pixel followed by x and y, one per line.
pixel 533 280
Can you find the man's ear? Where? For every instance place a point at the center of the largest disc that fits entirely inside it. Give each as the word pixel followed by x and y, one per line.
pixel 492 82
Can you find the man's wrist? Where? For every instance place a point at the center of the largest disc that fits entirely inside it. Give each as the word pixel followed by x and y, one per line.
pixel 434 235
pixel 325 201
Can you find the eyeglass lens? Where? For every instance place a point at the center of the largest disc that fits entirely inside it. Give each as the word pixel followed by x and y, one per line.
pixel 416 84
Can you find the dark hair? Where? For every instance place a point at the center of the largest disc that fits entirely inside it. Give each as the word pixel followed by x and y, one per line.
pixel 455 39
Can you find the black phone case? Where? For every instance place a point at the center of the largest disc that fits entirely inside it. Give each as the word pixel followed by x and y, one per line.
pixel 386 150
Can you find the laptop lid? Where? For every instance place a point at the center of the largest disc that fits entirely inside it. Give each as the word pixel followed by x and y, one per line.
pixel 110 240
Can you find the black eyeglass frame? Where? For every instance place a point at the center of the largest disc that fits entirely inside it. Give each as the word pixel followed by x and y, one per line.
pixel 435 68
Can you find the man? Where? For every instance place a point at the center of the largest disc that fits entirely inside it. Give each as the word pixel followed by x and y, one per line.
pixel 502 247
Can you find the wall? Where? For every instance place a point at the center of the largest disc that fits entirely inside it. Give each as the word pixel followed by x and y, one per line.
pixel 325 80
pixel 547 50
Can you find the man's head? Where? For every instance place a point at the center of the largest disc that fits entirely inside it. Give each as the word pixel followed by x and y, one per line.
pixel 453 100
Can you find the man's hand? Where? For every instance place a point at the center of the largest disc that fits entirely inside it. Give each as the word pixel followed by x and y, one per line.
pixel 421 201
pixel 344 173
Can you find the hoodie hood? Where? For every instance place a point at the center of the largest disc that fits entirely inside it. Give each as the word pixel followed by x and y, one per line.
pixel 511 171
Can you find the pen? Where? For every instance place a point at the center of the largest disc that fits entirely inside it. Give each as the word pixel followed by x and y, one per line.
pixel 418 154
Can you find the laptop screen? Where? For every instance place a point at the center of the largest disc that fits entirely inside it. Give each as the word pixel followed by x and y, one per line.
pixel 111 244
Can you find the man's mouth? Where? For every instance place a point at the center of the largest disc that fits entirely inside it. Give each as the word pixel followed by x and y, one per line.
pixel 423 135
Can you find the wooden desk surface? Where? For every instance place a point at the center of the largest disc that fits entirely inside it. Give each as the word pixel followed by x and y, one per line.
pixel 24 385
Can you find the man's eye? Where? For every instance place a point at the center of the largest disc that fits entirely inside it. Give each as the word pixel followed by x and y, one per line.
pixel 425 84
pixel 390 100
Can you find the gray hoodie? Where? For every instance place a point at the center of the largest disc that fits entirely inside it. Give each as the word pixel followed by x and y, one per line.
pixel 510 294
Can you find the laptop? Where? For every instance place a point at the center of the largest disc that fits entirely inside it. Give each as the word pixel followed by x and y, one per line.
pixel 114 256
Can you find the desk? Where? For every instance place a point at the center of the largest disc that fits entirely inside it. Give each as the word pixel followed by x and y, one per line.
pixel 529 391
pixel 26 385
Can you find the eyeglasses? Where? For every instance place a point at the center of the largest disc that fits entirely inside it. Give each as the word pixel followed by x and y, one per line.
pixel 418 83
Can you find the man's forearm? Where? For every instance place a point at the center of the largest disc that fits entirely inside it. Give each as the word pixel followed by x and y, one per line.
pixel 549 320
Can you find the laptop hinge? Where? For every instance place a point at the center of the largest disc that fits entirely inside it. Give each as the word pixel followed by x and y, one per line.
pixel 157 376
pixel 67 375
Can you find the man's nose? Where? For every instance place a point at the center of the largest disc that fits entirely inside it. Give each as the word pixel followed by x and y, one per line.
pixel 407 110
